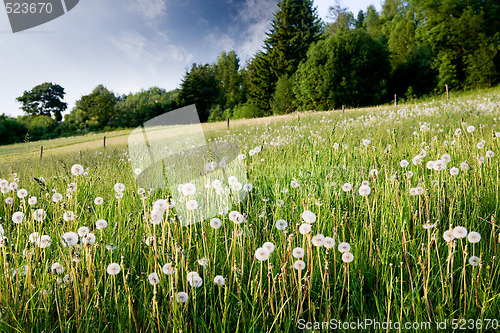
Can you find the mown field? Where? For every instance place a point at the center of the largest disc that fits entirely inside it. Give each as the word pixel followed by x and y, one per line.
pixel 386 214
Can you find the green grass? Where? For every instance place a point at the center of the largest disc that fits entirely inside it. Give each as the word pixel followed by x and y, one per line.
pixel 401 272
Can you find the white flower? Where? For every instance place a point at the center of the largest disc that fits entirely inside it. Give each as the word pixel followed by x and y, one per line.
pixel 77 170
pixel 153 278
pixel 70 238
pixel 215 223
pixel 474 237
pixel 480 145
pixel 168 269
pixel 232 180
pixel 347 257
pixel 305 228
pixel 13 186
pixel 344 247
pixel 417 160
pixel 448 235
pixel 156 216
pixel 44 241
pixel 82 231
pixel 446 158
pixel 458 131
pixel 364 190
pixel 203 261
pixel 182 297
pixel 33 237
pixel 439 165
pixel 459 232
pixel 9 201
pixel 247 187
pixel 308 216
pixel 403 163
pixel 430 165
pixel 298 252
pixel 464 166
pixel 32 201
pixel 281 224
pixel 219 280
pixel 329 242
pixel 89 239
pixel 474 261
pixel 299 265
pixel 216 184
pixel 192 204
pixel 268 246
pixel 101 224
pixel 113 269
pixel 318 240
pixel 261 254
pixel 57 268
pixel 347 187
pixel 490 154
pixel 188 189
pixel 98 201
pixel 454 171
pixel 57 197
pixel 471 129
pixel 18 217
pixel 22 193
pixel 294 184
pixel 119 187
pixel 137 171
pixel 366 142
pixel 374 173
pixel 68 216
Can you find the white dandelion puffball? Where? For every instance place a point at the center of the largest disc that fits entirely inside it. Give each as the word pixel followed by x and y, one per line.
pixel 366 142
pixel 416 160
pixel 294 184
pixel 101 224
pixel 298 252
pixel 119 187
pixel 344 247
pixel 141 191
pixel 490 154
pixel 160 205
pixel 32 201
pixel 459 232
pixel 329 242
pixel 318 240
pixel 68 216
pixel 77 169
pixel 446 158
pixel 464 166
pixel 347 187
pixel 168 269
pixel 9 201
pixel 191 275
pixel 156 216
pixel 268 246
pixel 232 180
pixel 18 217
pixel 113 269
pixel 454 171
pixel 119 195
pixel 299 265
pixel 192 204
pixel 57 197
pixel 196 281
pixel 305 228
pixel 471 129
pixel 430 165
pixel 137 171
pixel 403 163
pixel 480 145
pixel 248 187
pixel 13 186
pixel 216 184
pixel 364 190
pixel 208 167
pixel 439 165
pixel 89 239
pixel 219 280
pixel 82 231
pixel 98 201
pixel 261 254
pixel 474 261
pixel 44 241
pixel 215 223
pixel 347 257
pixel 233 215
pixel 308 216
pixel 448 235
pixel 182 297
pixel 22 193
pixel 33 237
pixel 203 261
pixel 474 237
pixel 56 267
pixel 281 224
pixel 188 189
pixel 365 183
pixel 153 278
pixel 70 238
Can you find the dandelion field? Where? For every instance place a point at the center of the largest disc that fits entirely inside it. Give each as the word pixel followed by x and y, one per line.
pixel 389 214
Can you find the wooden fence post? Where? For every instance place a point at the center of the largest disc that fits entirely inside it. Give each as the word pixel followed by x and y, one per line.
pixel 447 92
pixel 105 141
pixel 41 152
pixel 343 108
pixel 395 100
pixel 227 123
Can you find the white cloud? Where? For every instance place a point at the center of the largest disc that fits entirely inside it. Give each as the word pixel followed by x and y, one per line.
pixel 149 9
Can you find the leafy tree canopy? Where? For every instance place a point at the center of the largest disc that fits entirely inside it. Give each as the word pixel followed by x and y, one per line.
pixel 44 99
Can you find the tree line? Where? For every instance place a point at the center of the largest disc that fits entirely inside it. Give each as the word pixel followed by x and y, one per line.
pixel 411 48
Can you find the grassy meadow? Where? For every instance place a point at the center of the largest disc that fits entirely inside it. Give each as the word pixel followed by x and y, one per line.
pixel 387 214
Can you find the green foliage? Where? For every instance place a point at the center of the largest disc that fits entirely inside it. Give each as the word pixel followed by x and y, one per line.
pixel 96 110
pixel 39 127
pixel 13 131
pixel 283 98
pixel 44 99
pixel 347 69
pixel 246 111
pixel 230 80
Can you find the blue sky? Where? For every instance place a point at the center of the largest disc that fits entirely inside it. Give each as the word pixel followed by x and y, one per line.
pixel 128 45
